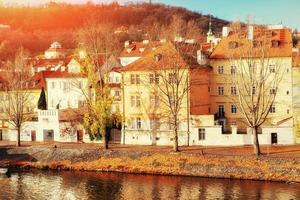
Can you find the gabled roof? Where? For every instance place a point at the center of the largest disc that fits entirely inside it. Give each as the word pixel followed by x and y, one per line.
pixel 43 62
pixel 61 74
pixel 236 44
pixel 163 57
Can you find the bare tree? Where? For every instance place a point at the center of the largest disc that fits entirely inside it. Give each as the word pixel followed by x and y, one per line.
pixel 256 78
pixel 171 73
pixel 16 85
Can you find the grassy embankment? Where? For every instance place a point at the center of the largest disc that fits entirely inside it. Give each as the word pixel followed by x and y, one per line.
pixel 166 163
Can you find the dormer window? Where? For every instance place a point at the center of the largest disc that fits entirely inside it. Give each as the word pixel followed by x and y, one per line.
pixel 275 43
pixel 233 44
pixel 257 44
pixel 157 57
pixel 129 50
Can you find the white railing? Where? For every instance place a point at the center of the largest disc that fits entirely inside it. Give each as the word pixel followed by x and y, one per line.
pixel 48 113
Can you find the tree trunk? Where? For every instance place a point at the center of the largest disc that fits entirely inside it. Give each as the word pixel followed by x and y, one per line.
pixel 106 139
pixel 255 141
pixel 18 142
pixel 175 147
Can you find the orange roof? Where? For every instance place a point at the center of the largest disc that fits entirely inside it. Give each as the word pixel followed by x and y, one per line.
pixel 47 62
pixel 161 58
pixel 236 45
pixel 60 74
pixel 139 49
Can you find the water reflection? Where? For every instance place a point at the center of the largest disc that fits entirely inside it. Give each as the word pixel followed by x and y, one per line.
pixel 80 185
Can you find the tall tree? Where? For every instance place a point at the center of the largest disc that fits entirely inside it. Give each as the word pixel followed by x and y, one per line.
pixel 170 71
pixel 256 78
pixel 99 44
pixel 42 103
pixel 16 85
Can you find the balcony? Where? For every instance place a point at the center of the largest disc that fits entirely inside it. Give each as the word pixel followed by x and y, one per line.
pixel 219 115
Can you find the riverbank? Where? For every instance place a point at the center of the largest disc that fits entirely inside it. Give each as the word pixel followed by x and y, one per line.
pixel 266 168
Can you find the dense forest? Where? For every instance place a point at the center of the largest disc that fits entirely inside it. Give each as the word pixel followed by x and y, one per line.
pixel 35 28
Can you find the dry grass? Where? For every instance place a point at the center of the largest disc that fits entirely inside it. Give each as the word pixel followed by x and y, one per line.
pixel 184 164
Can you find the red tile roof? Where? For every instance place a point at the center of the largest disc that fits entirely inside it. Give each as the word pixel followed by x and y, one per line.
pixel 139 49
pixel 167 55
pixel 261 34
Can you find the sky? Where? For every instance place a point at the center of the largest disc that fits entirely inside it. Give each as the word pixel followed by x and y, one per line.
pixel 258 11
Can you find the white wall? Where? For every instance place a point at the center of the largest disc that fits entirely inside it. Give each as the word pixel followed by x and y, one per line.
pixel 66 92
pixel 127 60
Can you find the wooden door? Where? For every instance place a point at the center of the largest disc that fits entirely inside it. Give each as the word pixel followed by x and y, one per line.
pixel 33 136
pixel 273 138
pixel 79 136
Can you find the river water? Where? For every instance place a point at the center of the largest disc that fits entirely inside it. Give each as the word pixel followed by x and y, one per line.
pixel 87 185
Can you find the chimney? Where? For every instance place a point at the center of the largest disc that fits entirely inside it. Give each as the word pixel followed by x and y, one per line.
pixel 163 40
pixel 201 58
pixel 127 43
pixel 157 57
pixel 190 41
pixel 225 31
pixel 145 42
pixel 250 32
pixel 178 39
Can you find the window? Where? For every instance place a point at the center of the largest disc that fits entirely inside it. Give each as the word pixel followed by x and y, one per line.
pixel 135 79
pixel 154 78
pixel 233 45
pixel 65 85
pixel 110 79
pixel 154 101
pixel 272 109
pixel 133 123
pixel 272 68
pixel 201 133
pixel 221 90
pixel 220 70
pixel 132 101
pixel 172 78
pixel 80 85
pixel 81 103
pixel 233 70
pixel 221 110
pixel 272 91
pixel 136 123
pixel 253 90
pixel 132 79
pixel 117 79
pixel 117 93
pixel 257 44
pixel 287 70
pixel 53 84
pixel 275 43
pixel 233 90
pixel 233 109
pixel 287 92
pixel 135 101
pixel 154 123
